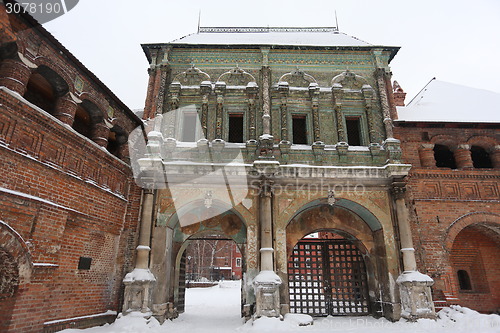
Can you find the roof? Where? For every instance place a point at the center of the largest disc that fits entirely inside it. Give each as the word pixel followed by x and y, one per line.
pixel 277 37
pixel 441 101
pixel 271 36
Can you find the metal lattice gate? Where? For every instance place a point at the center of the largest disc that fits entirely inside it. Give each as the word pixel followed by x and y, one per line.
pixel 327 277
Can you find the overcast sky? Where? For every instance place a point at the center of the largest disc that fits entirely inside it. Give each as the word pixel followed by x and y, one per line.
pixel 456 41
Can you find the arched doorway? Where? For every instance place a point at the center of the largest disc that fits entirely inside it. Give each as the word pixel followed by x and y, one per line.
pixel 15 272
pixel 337 262
pixel 476 267
pixel 327 276
pixel 226 228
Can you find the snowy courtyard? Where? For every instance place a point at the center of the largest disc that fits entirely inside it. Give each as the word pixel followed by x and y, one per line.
pixel 217 310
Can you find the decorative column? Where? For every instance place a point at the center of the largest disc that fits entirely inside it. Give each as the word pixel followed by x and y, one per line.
pixel 205 90
pixel 252 90
pixel 495 156
pixel 66 109
pixel 139 282
pixel 426 153
pixel 100 133
pixel 314 94
pixel 175 91
pixel 337 94
pixel 283 90
pixel 463 157
pixel 220 89
pixel 368 96
pixel 15 74
pixel 266 283
pixel 285 144
pixel 384 101
pixel 414 287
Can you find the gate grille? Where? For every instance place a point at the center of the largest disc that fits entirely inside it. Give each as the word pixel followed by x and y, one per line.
pixel 327 278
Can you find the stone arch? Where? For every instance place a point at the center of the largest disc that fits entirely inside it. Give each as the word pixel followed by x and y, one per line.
pixel 229 223
pixel 353 222
pixel 15 271
pixel 366 215
pixel 349 80
pixel 298 78
pixel 237 77
pixel 192 76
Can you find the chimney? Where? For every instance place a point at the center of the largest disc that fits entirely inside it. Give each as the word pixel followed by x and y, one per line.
pixel 399 94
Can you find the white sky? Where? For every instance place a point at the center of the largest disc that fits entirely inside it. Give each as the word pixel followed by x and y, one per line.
pixel 456 41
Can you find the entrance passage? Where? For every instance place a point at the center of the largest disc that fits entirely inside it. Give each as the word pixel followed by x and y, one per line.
pixel 327 277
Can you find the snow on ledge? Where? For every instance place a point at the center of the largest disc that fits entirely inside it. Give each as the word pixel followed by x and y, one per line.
pixel 413 276
pixel 267 277
pixel 139 274
pixel 107 313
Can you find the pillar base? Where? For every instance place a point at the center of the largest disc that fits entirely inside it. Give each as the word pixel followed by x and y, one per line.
pixel 416 298
pixel 138 288
pixel 266 285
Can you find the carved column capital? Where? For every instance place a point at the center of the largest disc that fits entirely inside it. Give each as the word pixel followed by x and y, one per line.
pixel 398 190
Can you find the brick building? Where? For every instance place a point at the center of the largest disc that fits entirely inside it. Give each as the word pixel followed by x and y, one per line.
pixel 266 135
pixel 263 136
pixel 213 259
pixel 69 205
pixel 450 135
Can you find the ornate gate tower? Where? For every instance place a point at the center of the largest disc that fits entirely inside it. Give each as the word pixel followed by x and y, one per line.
pixel 265 136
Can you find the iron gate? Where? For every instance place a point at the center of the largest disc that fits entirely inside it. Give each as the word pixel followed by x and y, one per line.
pixel 327 277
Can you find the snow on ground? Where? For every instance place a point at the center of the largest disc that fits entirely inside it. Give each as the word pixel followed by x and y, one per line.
pixel 217 310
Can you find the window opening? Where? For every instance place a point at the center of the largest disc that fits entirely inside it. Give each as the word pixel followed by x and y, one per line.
pixel 444 157
pixel 464 280
pixel 299 129
pixel 353 131
pixel 480 157
pixel 189 127
pixel 235 127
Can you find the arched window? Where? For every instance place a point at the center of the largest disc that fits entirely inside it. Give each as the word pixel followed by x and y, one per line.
pixel 44 87
pixel 464 280
pixel 117 137
pixel 480 157
pixel 444 157
pixel 86 116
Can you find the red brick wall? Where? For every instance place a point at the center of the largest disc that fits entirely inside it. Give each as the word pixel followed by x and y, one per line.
pixel 443 202
pixel 62 196
pixel 85 205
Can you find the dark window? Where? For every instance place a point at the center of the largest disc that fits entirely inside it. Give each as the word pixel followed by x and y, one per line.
pixel 444 157
pixel 235 127
pixel 189 127
pixel 464 280
pixel 84 263
pixel 480 157
pixel 353 131
pixel 299 129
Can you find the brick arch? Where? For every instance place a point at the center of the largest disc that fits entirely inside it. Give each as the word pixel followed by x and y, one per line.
pixel 13 244
pixel 15 272
pixel 484 218
pixel 43 61
pixel 446 140
pixel 486 142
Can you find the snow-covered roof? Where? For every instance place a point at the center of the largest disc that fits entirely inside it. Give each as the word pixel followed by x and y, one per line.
pixel 448 102
pixel 271 36
pixel 294 37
